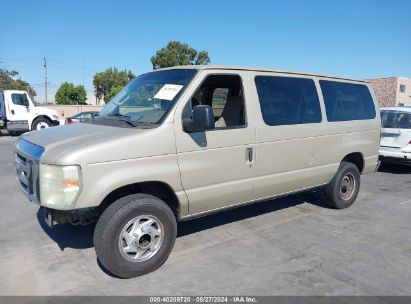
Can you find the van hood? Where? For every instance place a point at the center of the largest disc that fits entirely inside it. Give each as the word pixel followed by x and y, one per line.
pixel 81 142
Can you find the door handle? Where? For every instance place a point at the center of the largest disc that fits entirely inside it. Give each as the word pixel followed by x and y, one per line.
pixel 249 154
pixel 12 112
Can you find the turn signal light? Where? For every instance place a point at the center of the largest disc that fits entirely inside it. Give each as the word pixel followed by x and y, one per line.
pixel 70 183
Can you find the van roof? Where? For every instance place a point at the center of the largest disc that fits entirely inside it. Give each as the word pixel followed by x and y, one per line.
pixel 398 109
pixel 241 68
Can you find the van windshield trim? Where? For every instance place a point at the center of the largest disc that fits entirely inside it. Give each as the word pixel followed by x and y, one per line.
pixel 145 100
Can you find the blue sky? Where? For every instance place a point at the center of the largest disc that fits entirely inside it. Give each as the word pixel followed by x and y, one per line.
pixel 359 39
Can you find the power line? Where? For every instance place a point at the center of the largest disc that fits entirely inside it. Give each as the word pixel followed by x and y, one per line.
pixel 70 69
pixel 65 63
pixel 42 86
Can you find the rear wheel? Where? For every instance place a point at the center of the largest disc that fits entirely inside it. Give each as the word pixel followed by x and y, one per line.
pixel 344 187
pixel 135 235
pixel 41 123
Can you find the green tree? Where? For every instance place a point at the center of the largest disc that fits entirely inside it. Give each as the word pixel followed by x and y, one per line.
pixel 112 93
pixel 105 81
pixel 8 81
pixel 69 94
pixel 177 53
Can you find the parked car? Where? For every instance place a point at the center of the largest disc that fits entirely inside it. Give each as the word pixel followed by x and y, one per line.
pixel 18 113
pixel 81 117
pixel 162 151
pixel 396 135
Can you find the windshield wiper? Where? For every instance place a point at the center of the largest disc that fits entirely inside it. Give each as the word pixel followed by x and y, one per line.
pixel 127 119
pixel 121 117
pixel 143 125
pixel 128 122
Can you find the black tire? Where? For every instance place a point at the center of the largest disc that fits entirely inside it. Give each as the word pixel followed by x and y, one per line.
pixel 38 121
pixel 334 191
pixel 111 223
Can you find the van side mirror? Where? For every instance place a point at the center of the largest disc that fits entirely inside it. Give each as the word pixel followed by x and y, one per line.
pixel 203 119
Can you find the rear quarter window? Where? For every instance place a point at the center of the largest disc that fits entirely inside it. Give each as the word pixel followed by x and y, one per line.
pixel 288 100
pixel 347 101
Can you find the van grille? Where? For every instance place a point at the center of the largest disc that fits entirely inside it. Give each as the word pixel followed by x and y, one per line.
pixel 27 157
pixel 23 171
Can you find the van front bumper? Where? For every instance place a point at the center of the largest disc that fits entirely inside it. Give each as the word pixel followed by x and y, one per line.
pixel 394 155
pixel 74 217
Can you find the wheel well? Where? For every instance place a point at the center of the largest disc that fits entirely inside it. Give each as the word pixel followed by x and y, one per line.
pixel 40 116
pixel 357 159
pixel 157 189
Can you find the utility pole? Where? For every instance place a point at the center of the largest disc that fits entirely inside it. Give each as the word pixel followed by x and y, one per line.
pixel 45 79
pixel 83 70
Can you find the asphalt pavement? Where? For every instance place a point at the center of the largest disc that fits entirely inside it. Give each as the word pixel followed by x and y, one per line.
pixel 289 246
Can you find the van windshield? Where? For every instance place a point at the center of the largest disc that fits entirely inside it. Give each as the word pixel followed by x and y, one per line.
pixel 394 119
pixel 147 99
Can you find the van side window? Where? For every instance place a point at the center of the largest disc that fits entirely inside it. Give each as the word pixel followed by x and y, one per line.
pixel 347 101
pixel 287 100
pixel 224 94
pixel 220 96
pixel 19 99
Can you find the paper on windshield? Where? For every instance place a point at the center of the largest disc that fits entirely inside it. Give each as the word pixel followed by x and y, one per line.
pixel 168 91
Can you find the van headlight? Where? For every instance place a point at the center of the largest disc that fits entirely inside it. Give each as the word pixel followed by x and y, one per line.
pixel 59 185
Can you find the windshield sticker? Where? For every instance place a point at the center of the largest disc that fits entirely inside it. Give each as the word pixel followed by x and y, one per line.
pixel 168 91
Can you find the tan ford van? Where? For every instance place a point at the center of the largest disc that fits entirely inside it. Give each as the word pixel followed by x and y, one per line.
pixel 182 142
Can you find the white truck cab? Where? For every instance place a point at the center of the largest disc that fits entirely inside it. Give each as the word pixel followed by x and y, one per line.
pixel 18 113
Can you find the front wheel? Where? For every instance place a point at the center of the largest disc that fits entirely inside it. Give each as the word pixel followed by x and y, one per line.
pixel 344 187
pixel 135 235
pixel 41 123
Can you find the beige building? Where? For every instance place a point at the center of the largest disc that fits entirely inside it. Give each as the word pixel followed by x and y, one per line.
pixel 392 91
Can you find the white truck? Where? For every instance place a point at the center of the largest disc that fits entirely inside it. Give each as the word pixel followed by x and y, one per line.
pixel 18 113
